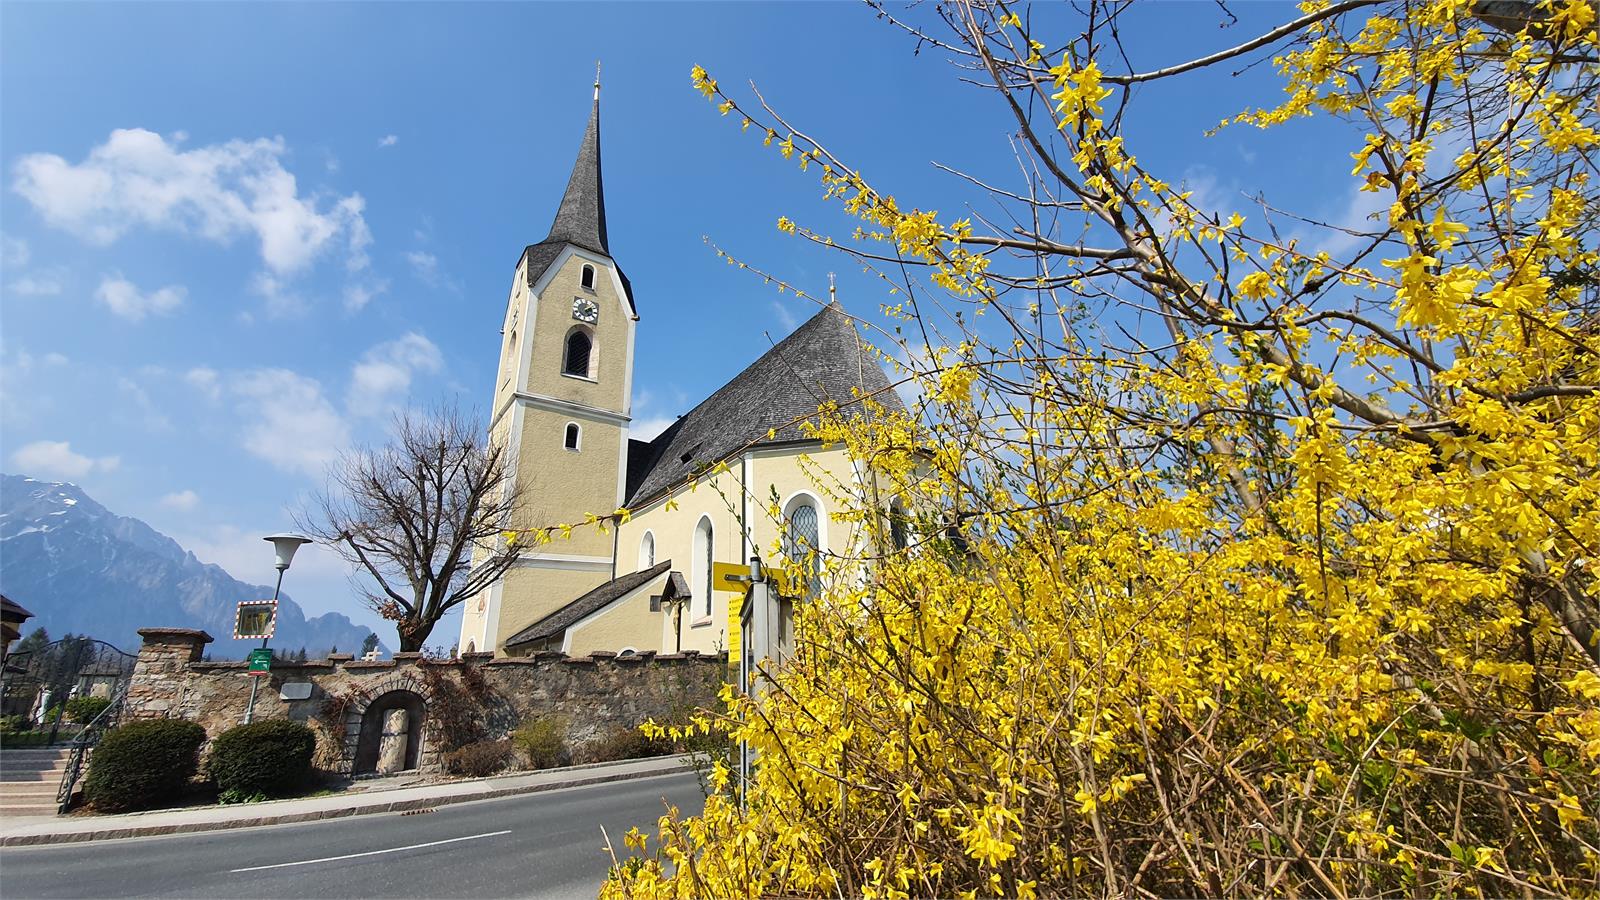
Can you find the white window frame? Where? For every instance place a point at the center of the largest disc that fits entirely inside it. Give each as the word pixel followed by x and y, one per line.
pixel 647 540
pixel 576 431
pixel 700 570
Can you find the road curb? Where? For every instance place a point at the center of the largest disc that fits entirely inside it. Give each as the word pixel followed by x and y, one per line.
pixel 289 818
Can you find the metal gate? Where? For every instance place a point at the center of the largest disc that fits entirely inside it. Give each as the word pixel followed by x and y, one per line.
pixel 43 691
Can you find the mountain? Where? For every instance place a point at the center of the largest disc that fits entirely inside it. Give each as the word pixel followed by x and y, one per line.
pixel 79 567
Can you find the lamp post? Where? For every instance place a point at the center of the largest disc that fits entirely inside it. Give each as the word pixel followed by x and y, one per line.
pixel 284 545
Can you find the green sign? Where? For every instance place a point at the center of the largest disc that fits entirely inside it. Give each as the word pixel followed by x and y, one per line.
pixel 260 660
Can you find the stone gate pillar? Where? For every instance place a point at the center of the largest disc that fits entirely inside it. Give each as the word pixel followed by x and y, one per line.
pixel 160 669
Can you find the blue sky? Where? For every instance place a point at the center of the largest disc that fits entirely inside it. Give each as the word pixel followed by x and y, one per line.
pixel 236 237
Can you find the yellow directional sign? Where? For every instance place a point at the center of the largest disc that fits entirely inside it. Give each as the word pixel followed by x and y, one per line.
pixel 732 577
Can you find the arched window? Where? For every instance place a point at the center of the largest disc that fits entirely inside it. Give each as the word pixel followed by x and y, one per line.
pixel 899 535
pixel 579 349
pixel 588 277
pixel 647 550
pixel 802 542
pixel 574 433
pixel 472 647
pixel 703 560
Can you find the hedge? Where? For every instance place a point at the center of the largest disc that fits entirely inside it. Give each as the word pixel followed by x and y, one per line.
pixel 82 710
pixel 542 741
pixel 270 758
pixel 479 760
pixel 143 764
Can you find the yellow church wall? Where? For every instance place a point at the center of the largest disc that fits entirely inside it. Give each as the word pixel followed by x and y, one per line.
pixel 560 486
pixel 674 533
pixel 824 474
pixel 529 593
pixel 553 320
pixel 628 623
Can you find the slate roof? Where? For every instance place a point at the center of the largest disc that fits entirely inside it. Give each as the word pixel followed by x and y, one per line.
pixel 563 618
pixel 581 216
pixel 822 360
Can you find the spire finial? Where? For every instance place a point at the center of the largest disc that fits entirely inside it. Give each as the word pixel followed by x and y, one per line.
pixel 833 291
pixel 597 79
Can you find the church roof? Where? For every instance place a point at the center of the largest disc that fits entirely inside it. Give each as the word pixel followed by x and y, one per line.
pixel 824 359
pixel 555 623
pixel 581 217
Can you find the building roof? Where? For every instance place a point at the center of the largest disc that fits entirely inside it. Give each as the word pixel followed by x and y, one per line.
pixel 581 216
pixel 555 623
pixel 13 611
pixel 824 359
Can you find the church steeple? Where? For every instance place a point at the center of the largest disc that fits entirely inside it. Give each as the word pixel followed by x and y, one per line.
pixel 581 218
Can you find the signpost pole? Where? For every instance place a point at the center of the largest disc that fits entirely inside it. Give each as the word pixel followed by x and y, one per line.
pixel 250 708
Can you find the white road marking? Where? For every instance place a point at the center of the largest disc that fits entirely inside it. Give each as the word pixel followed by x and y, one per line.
pixel 307 862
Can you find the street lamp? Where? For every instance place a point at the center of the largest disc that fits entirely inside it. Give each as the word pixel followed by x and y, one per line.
pixel 284 546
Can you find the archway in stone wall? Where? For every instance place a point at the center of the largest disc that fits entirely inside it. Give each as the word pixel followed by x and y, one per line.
pixel 390 739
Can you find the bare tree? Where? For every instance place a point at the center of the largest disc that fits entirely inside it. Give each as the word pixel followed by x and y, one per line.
pixel 413 515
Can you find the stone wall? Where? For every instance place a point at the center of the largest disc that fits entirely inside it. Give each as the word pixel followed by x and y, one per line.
pixel 472 698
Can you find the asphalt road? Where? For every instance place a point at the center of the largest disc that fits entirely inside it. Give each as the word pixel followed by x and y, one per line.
pixel 534 845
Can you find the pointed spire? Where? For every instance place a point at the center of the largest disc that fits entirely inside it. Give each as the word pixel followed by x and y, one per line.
pixel 581 218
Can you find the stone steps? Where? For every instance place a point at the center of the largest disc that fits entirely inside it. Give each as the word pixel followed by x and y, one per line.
pixel 29 779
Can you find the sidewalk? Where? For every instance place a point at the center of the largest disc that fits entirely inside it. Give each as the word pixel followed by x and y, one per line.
pixel 17 832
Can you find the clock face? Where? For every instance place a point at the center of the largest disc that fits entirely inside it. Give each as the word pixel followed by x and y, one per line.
pixel 585 310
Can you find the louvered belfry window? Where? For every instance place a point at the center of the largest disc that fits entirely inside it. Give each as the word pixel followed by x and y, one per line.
pixel 578 348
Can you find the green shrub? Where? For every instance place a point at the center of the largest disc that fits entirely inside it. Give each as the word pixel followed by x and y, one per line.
pixel 83 709
pixel 542 742
pixel 271 758
pixel 479 760
pixel 12 724
pixel 143 764
pixel 624 743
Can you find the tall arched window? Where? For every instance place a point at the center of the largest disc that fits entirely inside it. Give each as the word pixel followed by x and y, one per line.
pixel 802 542
pixel 647 550
pixel 703 561
pixel 899 534
pixel 574 433
pixel 579 348
pixel 588 277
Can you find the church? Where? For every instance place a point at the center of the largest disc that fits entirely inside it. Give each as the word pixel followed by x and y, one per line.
pixel 699 493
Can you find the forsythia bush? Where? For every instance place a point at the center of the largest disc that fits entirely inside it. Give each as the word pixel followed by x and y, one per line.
pixel 1294 593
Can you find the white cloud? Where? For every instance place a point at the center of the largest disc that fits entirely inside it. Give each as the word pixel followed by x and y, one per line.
pixel 648 428
pixel 219 192
pixel 289 422
pixel 205 380
pixel 383 376
pixel 357 296
pixel 139 399
pixel 282 299
pixel 13 252
pixel 183 501
pixel 35 286
pixel 57 458
pixel 55 359
pixel 785 317
pixel 126 300
pixel 425 264
pixel 388 140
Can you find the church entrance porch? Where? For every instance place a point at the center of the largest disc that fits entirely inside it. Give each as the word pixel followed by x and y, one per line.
pixel 391 734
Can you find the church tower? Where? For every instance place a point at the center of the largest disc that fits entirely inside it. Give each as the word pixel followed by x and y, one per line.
pixel 562 401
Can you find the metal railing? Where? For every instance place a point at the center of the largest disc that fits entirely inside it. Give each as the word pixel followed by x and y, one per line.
pixel 84 743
